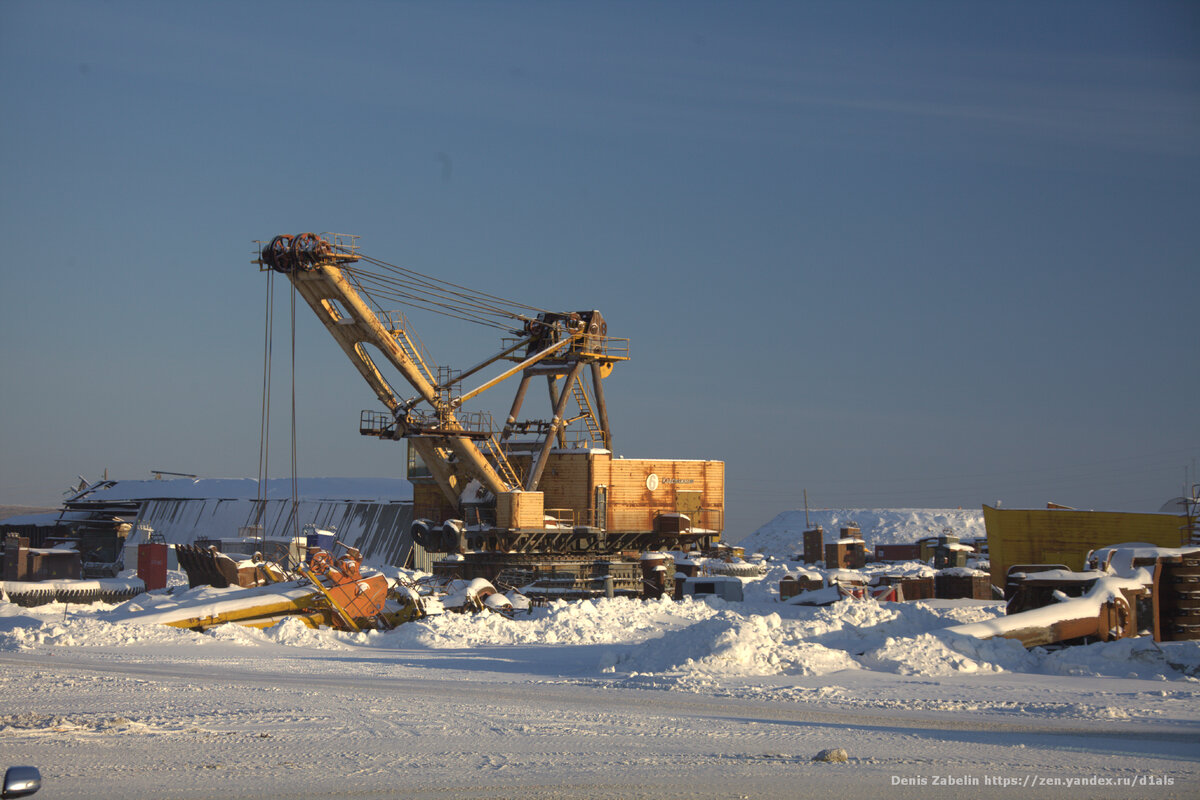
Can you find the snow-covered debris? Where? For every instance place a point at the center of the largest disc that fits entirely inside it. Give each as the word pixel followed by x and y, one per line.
pixel 962 572
pixel 817 597
pixel 1126 559
pixel 472 595
pixel 1105 589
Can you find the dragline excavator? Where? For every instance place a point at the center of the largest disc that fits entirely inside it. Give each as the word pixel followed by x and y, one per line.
pixel 548 485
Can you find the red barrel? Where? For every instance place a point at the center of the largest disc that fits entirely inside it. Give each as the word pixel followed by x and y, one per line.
pixel 152 565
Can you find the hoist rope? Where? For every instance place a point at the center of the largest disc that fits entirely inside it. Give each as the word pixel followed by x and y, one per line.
pixel 264 435
pixel 295 478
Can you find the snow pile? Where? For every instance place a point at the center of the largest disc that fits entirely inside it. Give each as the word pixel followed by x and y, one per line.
pixel 784 535
pixel 290 632
pixel 927 655
pixel 583 622
pixel 1140 657
pixel 68 628
pixel 60 626
pixel 810 641
pixel 731 644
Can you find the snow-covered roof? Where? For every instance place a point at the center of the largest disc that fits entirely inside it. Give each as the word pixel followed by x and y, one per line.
pixel 376 489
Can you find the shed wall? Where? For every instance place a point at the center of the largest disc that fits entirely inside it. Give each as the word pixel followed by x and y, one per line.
pixel 1059 536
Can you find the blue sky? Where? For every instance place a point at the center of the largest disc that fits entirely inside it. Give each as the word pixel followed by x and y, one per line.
pixel 899 254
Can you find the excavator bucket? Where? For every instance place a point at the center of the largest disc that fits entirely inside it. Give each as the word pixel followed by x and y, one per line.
pixel 206 566
pixel 210 567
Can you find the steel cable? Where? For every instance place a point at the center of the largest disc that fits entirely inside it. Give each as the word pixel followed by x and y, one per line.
pixel 264 441
pixel 295 468
pixel 417 290
pixel 375 286
pixel 463 291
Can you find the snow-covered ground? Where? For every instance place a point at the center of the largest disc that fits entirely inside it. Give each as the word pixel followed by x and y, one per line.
pixel 606 698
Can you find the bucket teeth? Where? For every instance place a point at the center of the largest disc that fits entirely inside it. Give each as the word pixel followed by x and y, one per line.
pixel 41 597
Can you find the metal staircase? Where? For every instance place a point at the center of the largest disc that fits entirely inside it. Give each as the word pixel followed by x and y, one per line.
pixel 491 449
pixel 595 435
pixel 397 325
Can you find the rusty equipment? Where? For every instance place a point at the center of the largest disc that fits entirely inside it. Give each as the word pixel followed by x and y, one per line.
pixel 1117 616
pixel 330 592
pixel 353 599
pixel 1130 590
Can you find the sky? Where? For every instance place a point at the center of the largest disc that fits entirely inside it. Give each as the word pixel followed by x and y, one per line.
pixel 899 254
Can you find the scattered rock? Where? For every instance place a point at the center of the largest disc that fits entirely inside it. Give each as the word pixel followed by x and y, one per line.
pixel 834 755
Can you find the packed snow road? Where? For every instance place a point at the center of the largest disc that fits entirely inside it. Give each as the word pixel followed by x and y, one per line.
pixel 380 725
pixel 319 726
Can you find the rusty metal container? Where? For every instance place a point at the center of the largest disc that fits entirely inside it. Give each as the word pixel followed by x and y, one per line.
pixel 792 585
pixel 46 565
pixel 897 552
pixel 913 587
pixel 847 553
pixel 957 587
pixel 814 544
pixel 654 574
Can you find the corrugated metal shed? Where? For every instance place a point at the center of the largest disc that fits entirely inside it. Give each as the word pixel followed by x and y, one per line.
pixel 379 529
pixel 372 514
